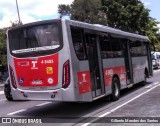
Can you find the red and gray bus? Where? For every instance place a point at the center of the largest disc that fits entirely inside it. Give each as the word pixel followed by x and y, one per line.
pixel 66 60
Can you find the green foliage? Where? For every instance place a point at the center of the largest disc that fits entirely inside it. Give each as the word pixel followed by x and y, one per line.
pixel 3 49
pixel 64 10
pixel 86 11
pixel 83 10
pixel 157 45
pixel 157 48
pixel 127 15
pixel 3 56
pixel 152 31
pixel 16 23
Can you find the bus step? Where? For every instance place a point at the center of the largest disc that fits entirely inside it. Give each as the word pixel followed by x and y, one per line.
pixel 99 97
pixel 130 85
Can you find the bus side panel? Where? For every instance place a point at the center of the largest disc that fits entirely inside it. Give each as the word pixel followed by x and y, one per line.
pixel 84 82
pixel 11 64
pixel 139 65
pixel 78 68
pixel 114 66
pixel 68 94
pixel 14 92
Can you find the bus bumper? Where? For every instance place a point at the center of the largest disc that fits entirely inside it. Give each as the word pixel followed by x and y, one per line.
pixel 55 95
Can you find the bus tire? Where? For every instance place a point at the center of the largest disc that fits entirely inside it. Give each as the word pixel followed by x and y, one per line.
pixel 8 95
pixel 145 77
pixel 115 89
pixel 145 80
pixel 7 90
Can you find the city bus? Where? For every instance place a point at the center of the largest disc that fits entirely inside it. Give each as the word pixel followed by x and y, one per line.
pixel 66 60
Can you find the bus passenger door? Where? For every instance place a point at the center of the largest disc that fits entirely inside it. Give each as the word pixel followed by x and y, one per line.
pixel 128 62
pixel 149 57
pixel 95 63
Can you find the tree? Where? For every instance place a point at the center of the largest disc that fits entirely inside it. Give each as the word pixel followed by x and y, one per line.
pixel 152 31
pixel 83 10
pixel 86 10
pixel 64 10
pixel 126 15
pixel 3 49
pixel 15 24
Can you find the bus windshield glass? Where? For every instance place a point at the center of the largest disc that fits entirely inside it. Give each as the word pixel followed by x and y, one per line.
pixel 34 39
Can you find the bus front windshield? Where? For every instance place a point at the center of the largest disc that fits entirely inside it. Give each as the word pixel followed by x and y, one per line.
pixel 34 39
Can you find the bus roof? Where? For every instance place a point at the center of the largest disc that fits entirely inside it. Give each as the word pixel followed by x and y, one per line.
pixel 97 27
pixel 107 29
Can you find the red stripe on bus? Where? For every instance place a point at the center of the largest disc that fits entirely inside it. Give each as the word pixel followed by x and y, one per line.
pixel 84 82
pixel 84 79
pixel 109 72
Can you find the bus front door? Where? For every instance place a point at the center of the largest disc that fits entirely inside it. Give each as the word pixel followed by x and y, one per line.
pixel 128 63
pixel 95 63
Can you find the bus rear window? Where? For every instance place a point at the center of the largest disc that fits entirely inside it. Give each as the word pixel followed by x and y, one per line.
pixel 39 38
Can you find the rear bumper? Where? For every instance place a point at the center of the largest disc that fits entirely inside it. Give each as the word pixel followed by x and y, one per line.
pixel 52 95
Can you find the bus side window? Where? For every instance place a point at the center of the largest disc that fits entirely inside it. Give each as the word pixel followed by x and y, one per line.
pixel 135 48
pixel 144 48
pixel 138 48
pixel 78 43
pixel 105 46
pixel 116 46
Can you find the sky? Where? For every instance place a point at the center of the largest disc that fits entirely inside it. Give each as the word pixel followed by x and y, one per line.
pixel 36 10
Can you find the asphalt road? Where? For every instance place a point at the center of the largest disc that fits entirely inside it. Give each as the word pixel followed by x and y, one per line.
pixel 138 101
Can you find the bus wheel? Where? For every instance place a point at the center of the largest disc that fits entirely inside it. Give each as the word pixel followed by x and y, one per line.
pixel 145 80
pixel 7 90
pixel 8 95
pixel 115 89
pixel 145 77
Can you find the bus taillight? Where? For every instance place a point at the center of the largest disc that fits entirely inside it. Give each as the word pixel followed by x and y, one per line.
pixel 13 81
pixel 66 75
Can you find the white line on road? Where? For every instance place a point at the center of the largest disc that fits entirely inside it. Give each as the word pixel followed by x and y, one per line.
pixel 155 71
pixel 2 100
pixel 149 86
pixel 1 92
pixel 1 85
pixel 45 103
pixel 12 113
pixel 152 85
pixel 107 113
pixel 155 83
pixel 22 110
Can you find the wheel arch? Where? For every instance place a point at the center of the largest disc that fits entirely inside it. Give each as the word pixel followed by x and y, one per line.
pixel 146 72
pixel 116 76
